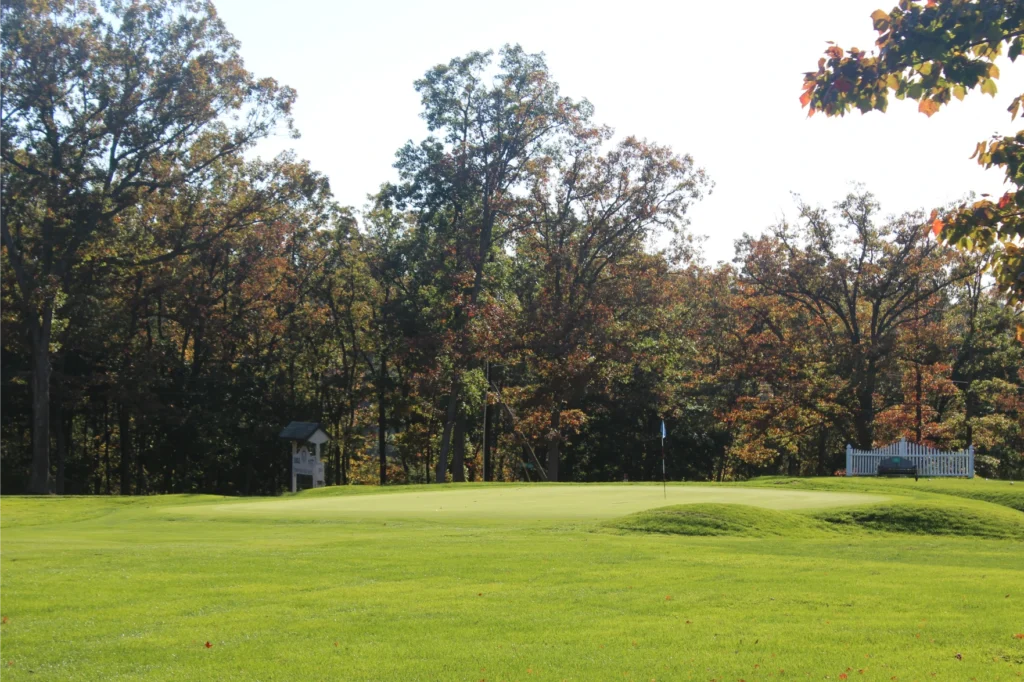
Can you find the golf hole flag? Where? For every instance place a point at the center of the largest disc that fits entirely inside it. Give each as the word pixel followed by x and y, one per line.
pixel 663 478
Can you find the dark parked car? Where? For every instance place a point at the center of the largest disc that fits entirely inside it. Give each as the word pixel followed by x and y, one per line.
pixel 897 466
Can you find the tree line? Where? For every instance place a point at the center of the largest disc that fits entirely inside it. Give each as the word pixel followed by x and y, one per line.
pixel 524 302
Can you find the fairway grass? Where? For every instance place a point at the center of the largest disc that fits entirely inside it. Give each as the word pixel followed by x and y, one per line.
pixel 513 583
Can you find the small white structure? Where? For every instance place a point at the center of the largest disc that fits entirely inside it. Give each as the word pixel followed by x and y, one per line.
pixel 931 463
pixel 304 462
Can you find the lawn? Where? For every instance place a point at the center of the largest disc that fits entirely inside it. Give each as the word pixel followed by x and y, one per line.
pixel 815 579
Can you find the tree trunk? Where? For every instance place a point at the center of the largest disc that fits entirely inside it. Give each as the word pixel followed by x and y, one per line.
pixel 446 435
pixel 338 445
pixel 106 445
pixel 554 438
pixel 918 430
pixel 140 465
pixel 864 419
pixel 489 434
pixel 63 426
pixel 248 476
pixel 124 427
pixel 382 425
pixel 459 450
pixel 39 481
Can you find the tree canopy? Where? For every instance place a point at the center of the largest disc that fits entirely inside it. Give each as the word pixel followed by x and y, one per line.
pixel 524 301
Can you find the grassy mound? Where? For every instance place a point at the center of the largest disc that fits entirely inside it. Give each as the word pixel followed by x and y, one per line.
pixel 930 518
pixel 1004 493
pixel 916 517
pixel 717 519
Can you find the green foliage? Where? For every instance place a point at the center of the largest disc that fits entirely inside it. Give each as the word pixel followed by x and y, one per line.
pixel 169 300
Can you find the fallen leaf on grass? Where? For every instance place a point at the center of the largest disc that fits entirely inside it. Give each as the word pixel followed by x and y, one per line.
pixel 335 644
pixel 668 597
pixel 959 657
pixel 843 676
pixel 1019 635
pixel 209 646
pixel 3 620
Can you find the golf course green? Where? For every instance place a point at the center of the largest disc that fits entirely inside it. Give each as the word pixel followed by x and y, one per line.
pixel 770 579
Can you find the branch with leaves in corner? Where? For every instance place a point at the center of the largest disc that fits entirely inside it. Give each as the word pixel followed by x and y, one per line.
pixel 932 52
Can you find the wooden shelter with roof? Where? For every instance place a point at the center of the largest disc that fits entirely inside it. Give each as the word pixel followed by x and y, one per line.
pixel 304 462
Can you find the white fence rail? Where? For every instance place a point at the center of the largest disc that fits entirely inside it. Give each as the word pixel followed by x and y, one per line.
pixel 929 461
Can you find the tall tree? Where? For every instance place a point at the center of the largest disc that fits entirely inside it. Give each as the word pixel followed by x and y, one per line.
pixel 492 134
pixel 588 284
pixel 102 109
pixel 862 280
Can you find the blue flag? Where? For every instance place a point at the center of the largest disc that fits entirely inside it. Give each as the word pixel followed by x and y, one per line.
pixel 663 429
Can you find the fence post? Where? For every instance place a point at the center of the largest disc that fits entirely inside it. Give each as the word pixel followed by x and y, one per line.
pixel 902 447
pixel 970 461
pixel 849 460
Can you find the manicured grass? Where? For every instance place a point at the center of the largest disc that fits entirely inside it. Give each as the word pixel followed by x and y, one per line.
pixel 517 502
pixel 511 583
pixel 1005 493
pixel 720 519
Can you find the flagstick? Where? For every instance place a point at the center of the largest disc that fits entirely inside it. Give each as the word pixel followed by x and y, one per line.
pixel 664 489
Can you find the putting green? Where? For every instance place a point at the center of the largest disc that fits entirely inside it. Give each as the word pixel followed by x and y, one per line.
pixel 516 502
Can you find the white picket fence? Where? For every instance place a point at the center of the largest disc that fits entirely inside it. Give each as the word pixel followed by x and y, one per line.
pixel 930 462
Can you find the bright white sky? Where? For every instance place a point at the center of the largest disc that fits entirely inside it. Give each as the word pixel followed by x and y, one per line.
pixel 719 81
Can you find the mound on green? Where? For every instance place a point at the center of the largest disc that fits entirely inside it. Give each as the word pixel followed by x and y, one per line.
pixel 1005 493
pixel 716 519
pixel 979 520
